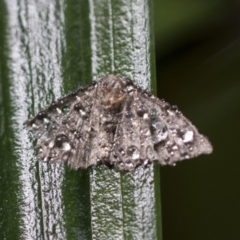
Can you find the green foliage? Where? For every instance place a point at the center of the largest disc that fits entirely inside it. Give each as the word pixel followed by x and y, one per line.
pixel 69 44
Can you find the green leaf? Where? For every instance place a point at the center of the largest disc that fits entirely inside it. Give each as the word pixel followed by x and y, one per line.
pixel 53 47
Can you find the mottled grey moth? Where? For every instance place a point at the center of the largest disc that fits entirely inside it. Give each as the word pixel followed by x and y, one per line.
pixel 116 123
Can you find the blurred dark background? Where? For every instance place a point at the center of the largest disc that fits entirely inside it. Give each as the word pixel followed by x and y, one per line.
pixel 198 69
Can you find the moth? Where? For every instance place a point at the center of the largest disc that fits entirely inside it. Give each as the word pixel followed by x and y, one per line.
pixel 116 123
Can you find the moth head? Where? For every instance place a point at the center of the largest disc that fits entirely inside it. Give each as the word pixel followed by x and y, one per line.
pixel 113 90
